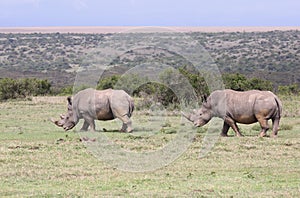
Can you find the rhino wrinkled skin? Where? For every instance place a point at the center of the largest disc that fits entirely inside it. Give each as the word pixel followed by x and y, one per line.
pixel 240 107
pixel 91 104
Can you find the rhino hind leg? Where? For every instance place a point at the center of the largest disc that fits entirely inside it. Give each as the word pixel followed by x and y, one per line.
pixel 126 127
pixel 275 126
pixel 264 126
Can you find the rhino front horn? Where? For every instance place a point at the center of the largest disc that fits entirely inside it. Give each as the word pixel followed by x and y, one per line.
pixel 52 120
pixel 55 122
pixel 187 116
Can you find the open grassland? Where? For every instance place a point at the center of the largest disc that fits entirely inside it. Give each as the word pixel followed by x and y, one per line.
pixel 39 159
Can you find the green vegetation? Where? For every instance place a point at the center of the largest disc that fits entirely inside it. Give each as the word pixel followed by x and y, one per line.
pixel 141 86
pixel 164 95
pixel 272 56
pixel 39 159
pixel 22 88
pixel 239 82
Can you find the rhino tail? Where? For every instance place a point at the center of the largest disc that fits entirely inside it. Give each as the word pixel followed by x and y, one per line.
pixel 279 106
pixel 131 107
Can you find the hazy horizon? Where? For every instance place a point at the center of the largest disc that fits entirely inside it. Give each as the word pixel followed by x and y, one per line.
pixel 120 29
pixel 189 13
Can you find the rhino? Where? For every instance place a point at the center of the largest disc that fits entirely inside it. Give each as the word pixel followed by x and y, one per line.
pixel 239 107
pixel 91 104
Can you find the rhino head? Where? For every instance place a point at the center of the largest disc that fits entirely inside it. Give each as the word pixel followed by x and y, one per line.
pixel 199 117
pixel 68 120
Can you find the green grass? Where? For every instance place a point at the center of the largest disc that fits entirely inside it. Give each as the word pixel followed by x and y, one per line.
pixel 38 159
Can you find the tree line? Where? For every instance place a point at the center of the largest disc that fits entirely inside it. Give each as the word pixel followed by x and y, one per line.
pixel 140 86
pixel 165 95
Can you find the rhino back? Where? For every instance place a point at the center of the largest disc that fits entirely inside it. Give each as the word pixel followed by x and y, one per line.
pixel 243 106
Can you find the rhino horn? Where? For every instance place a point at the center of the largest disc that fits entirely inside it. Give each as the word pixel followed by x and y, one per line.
pixel 55 122
pixel 187 116
pixel 62 116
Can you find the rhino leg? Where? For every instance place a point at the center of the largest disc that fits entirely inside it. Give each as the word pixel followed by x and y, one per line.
pixel 89 121
pixel 126 127
pixel 225 129
pixel 233 125
pixel 85 126
pixel 264 126
pixel 275 126
pixel 92 125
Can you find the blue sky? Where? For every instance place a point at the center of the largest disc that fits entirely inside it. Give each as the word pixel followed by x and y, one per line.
pixel 20 13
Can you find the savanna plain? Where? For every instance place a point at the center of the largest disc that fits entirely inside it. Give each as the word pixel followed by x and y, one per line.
pixel 38 159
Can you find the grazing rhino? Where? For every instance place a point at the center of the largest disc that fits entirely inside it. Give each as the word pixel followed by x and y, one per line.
pixel 91 104
pixel 239 107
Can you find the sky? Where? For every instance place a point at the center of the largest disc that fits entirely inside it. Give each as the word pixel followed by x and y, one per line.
pixel 43 13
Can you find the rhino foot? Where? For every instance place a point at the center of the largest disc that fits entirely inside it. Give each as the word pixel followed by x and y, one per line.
pixel 262 134
pixel 126 130
pixel 224 135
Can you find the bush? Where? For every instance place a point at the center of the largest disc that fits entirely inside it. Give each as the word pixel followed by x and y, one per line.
pixel 108 82
pixel 239 82
pixel 22 88
pixel 171 80
pixel 289 89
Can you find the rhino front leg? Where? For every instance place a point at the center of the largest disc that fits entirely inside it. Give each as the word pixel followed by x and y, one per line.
pixel 225 129
pixel 89 122
pixel 233 125
pixel 85 126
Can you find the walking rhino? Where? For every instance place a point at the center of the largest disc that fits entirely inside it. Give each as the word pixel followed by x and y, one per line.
pixel 91 104
pixel 239 107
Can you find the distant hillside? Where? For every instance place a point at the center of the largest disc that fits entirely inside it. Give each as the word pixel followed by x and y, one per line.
pixel 273 55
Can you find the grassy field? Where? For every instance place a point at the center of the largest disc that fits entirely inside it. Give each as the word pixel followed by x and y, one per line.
pixel 38 159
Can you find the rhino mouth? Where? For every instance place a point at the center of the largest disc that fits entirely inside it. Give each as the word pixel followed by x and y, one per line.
pixel 199 124
pixel 69 127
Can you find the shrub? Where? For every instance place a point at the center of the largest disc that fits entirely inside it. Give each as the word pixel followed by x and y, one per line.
pixel 239 82
pixel 22 88
pixel 288 89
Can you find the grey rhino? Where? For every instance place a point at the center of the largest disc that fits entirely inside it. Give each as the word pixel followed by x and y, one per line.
pixel 239 107
pixel 91 104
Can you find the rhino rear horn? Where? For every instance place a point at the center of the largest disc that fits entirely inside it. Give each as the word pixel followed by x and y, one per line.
pixel 62 116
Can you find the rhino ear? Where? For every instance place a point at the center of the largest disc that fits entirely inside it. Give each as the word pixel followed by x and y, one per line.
pixel 69 100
